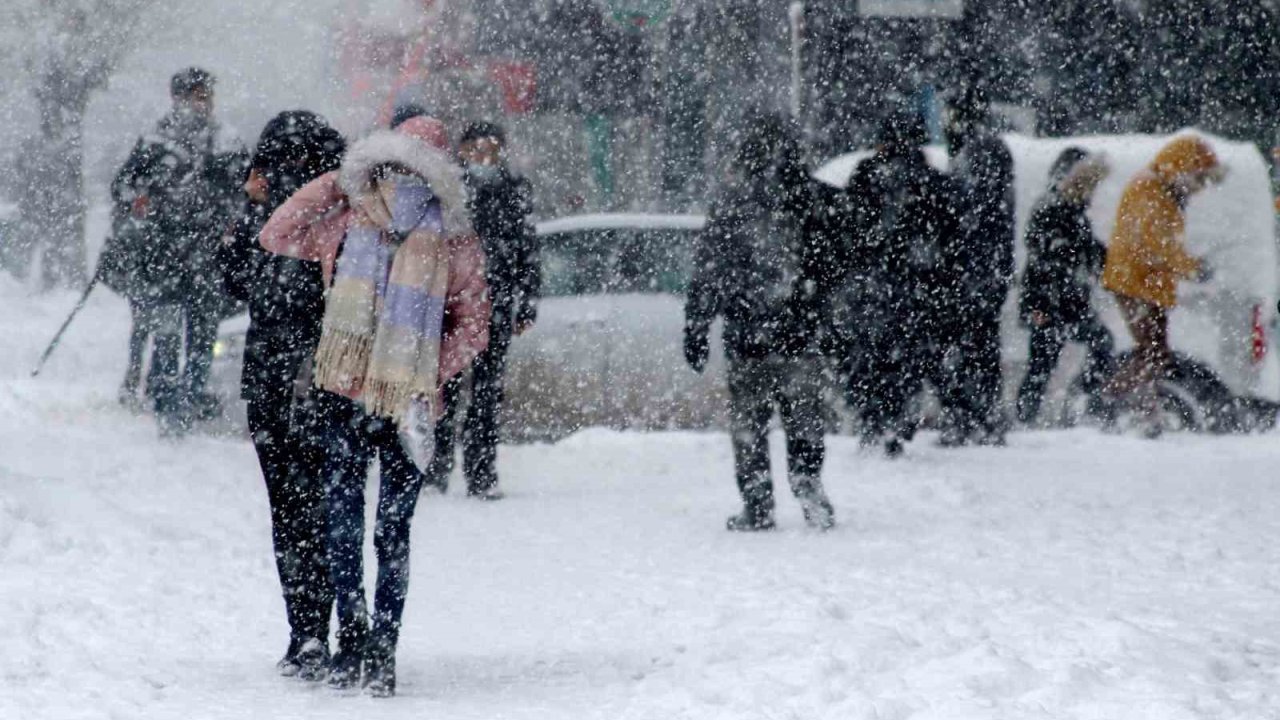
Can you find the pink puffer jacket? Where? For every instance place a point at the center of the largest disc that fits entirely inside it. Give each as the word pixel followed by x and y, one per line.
pixel 311 224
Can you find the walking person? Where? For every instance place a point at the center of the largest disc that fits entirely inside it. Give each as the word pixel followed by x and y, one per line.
pixel 756 265
pixel 184 180
pixel 286 304
pixel 900 217
pixel 1064 259
pixel 406 310
pixel 500 205
pixel 1147 258
pixel 981 272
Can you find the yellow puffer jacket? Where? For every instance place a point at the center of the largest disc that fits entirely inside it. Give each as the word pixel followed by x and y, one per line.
pixel 1146 257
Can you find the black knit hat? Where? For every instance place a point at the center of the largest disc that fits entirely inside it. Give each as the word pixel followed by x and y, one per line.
pixel 408 111
pixel 187 81
pixel 299 141
pixel 478 130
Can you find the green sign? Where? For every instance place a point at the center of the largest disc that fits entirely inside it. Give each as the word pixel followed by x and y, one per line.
pixel 639 15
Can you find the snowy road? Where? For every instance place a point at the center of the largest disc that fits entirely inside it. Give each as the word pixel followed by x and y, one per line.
pixel 1072 575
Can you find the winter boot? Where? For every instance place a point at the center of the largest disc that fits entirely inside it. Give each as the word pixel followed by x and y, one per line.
pixel 489 494
pixel 893 448
pixel 312 660
pixel 752 519
pixel 344 668
pixel 818 513
pixel 380 674
pixel 288 665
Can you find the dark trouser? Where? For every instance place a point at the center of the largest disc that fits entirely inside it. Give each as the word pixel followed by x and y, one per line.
pixel 161 324
pixel 291 466
pixel 1138 377
pixel 202 331
pixel 901 353
pixel 480 429
pixel 974 395
pixel 755 387
pixel 1047 342
pixel 352 440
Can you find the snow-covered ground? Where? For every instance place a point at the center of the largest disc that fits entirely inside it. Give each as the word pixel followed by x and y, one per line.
pixel 1071 575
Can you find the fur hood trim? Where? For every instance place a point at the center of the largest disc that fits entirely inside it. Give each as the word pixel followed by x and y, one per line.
pixel 441 173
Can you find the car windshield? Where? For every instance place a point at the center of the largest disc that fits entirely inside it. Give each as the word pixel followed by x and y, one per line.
pixel 621 260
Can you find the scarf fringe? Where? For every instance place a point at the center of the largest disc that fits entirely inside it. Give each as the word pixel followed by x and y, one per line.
pixel 390 399
pixel 342 359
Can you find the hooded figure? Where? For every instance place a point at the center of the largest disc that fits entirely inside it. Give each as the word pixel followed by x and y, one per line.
pixel 1063 261
pixel 1146 258
pixel 285 299
pixel 757 264
pixel 979 275
pixel 899 218
pixel 406 309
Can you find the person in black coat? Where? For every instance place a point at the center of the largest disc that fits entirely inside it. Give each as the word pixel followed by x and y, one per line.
pixel 757 264
pixel 980 275
pixel 500 202
pixel 286 305
pixel 182 182
pixel 1064 258
pixel 899 218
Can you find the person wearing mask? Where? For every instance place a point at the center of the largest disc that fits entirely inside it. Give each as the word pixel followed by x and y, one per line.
pixel 899 217
pixel 285 297
pixel 500 205
pixel 406 309
pixel 980 273
pixel 183 181
pixel 756 265
pixel 1064 259
pixel 1147 258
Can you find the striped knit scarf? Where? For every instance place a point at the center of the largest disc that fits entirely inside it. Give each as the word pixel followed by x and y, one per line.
pixel 380 339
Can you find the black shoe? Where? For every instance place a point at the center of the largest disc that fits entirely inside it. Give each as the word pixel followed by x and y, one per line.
pixel 344 669
pixel 204 406
pixel 312 660
pixel 288 665
pixel 893 448
pixel 751 521
pixel 818 513
pixel 380 675
pixel 489 494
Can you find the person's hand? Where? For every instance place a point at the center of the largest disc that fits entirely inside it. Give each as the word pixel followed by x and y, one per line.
pixel 697 348
pixel 1204 273
pixel 256 187
pixel 525 319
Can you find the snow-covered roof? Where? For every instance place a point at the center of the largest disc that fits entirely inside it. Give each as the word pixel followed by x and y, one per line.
pixel 621 221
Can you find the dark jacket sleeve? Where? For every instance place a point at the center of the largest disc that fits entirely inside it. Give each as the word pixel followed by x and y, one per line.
pixel 529 268
pixel 706 294
pixel 1036 293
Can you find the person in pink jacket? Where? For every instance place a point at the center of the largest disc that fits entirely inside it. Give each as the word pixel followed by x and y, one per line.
pixel 406 309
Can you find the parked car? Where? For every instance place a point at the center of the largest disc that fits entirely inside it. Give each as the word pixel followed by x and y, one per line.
pixel 607 348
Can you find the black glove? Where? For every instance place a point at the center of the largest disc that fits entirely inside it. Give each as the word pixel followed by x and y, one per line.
pixel 697 348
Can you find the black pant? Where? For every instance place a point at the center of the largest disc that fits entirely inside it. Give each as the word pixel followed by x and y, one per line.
pixel 794 386
pixel 202 331
pixel 1047 342
pixel 285 438
pixel 901 349
pixel 972 403
pixel 353 439
pixel 160 324
pixel 480 430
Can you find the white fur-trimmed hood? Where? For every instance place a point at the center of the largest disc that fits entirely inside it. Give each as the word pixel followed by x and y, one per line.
pixel 438 169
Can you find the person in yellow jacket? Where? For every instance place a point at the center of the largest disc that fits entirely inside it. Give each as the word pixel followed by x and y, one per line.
pixel 1146 259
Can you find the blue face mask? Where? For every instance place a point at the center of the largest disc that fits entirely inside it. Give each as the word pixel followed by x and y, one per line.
pixel 411 202
pixel 484 173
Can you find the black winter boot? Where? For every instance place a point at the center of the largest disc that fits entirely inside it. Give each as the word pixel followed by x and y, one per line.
pixel 380 674
pixel 288 665
pixel 312 660
pixel 752 519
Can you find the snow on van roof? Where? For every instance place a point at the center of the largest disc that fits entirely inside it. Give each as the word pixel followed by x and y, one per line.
pixel 620 221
